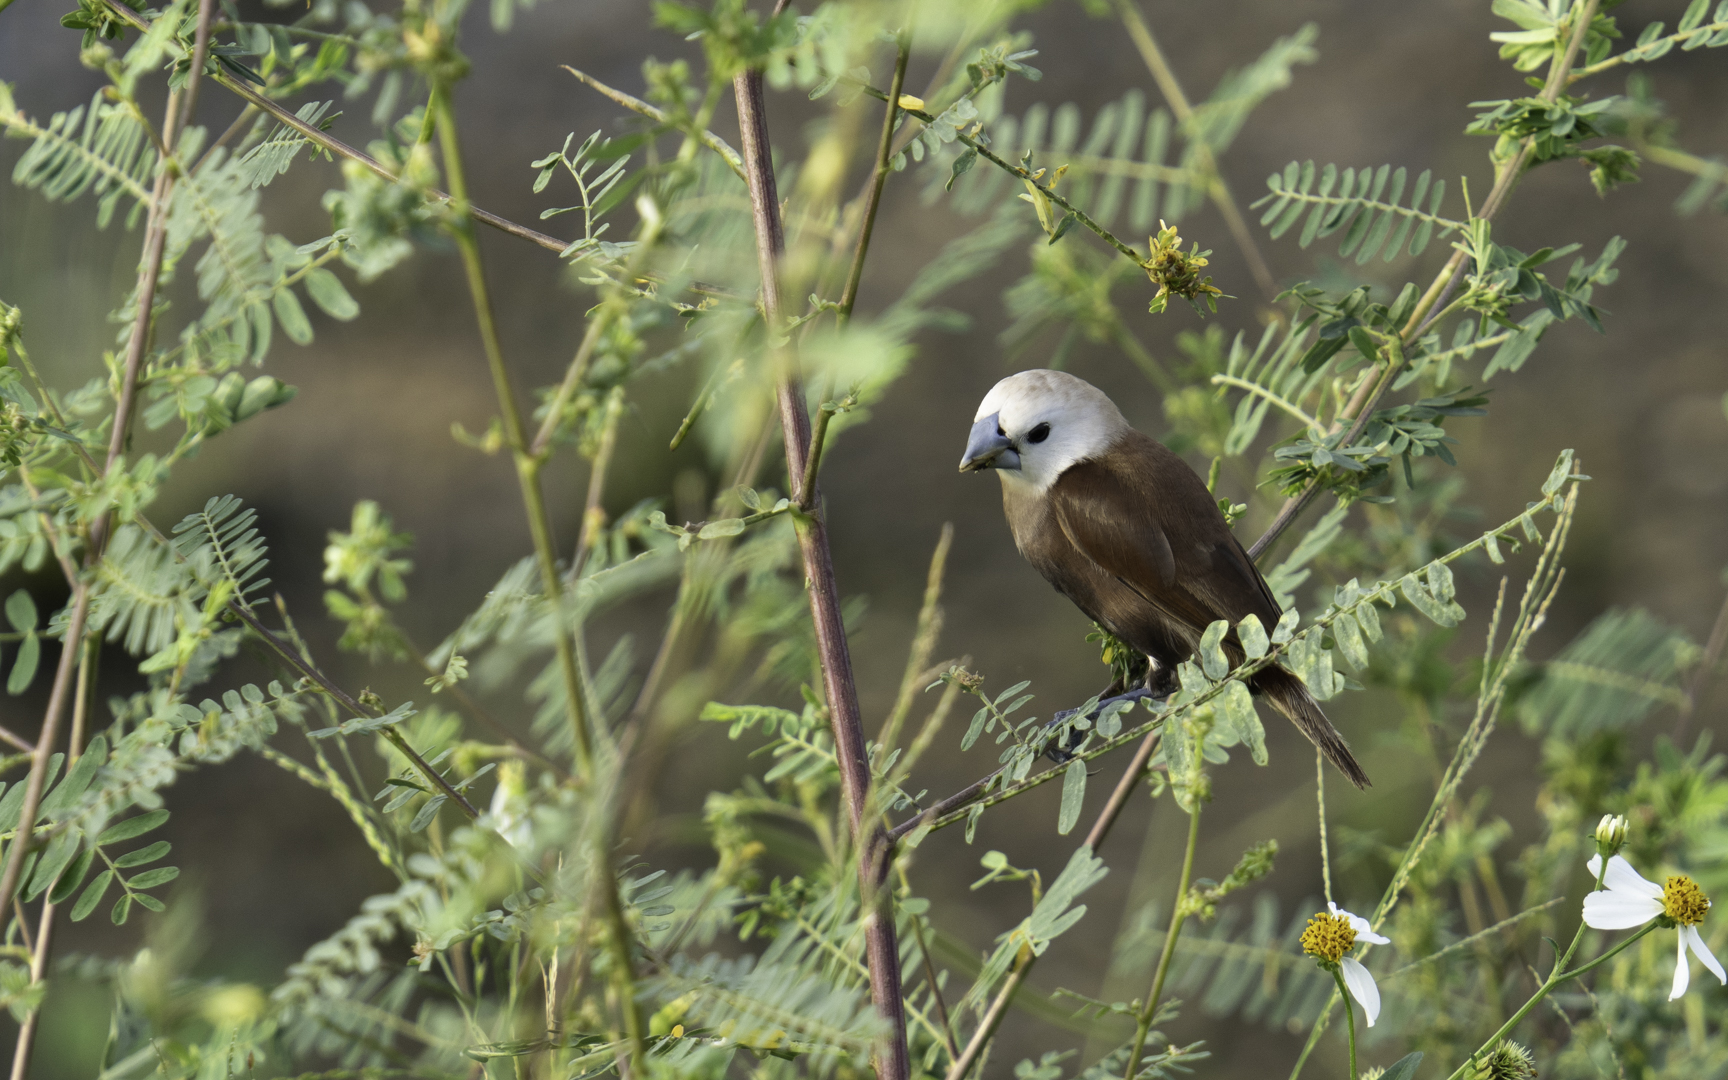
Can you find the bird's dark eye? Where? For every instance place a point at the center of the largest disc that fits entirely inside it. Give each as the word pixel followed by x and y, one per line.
pixel 1038 434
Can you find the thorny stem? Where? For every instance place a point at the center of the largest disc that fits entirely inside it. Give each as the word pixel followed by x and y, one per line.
pixel 892 1059
pixel 1216 188
pixel 884 154
pixel 1178 915
pixel 1361 408
pixel 528 476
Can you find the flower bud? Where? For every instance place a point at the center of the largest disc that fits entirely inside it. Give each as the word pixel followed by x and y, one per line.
pixel 1611 834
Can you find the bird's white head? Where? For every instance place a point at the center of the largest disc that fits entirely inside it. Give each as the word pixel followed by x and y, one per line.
pixel 1034 425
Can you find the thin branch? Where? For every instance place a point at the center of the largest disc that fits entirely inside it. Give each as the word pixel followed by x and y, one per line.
pixel 593 512
pixel 1023 962
pixel 884 165
pixel 1261 391
pixel 1216 188
pixel 892 1059
pixel 527 466
pixel 346 700
pixel 21 744
pixel 1178 915
pixel 640 107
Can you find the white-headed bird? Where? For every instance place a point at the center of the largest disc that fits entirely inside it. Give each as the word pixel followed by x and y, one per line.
pixel 1126 530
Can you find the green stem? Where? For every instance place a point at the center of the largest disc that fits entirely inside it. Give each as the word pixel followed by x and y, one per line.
pixel 884 157
pixel 1178 915
pixel 1555 978
pixel 527 464
pixel 1349 1018
pixel 528 475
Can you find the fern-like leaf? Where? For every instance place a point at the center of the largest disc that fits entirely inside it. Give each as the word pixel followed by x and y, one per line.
pixel 272 157
pixel 220 542
pixel 144 593
pixel 101 148
pixel 1621 668
pixel 1125 145
pixel 1366 206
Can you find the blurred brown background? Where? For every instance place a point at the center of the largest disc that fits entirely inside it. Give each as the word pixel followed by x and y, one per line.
pixel 278 867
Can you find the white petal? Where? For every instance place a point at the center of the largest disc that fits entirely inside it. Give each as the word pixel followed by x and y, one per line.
pixel 1362 988
pixel 1695 940
pixel 1364 929
pixel 1682 971
pixel 1618 910
pixel 1622 878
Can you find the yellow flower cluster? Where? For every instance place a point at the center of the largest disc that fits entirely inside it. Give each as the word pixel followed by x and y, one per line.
pixel 1684 901
pixel 1328 937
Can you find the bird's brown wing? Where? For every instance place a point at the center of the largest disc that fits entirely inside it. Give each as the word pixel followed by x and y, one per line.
pixel 1144 517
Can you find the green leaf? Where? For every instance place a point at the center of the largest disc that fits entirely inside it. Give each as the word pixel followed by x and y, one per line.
pixel 1286 627
pixel 1212 658
pixel 723 527
pixel 71 877
pixel 149 879
pixel 55 858
pixel 331 296
pixel 292 317
pixel 21 611
pixel 1237 705
pixel 92 896
pixel 1073 796
pixel 24 668
pixel 145 900
pixel 1404 1068
pixel 1348 635
pixel 63 798
pixel 1556 480
pixel 122 908
pixel 1253 637
pixel 143 855
pixel 135 826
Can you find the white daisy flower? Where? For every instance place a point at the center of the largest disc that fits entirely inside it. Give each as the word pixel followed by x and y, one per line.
pixel 1331 934
pixel 1627 900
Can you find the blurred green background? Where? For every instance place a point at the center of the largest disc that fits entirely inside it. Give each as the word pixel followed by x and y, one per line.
pixel 277 866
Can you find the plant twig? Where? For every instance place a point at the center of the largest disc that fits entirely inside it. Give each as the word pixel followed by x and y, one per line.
pixel 527 466
pixel 642 108
pixel 892 1059
pixel 593 510
pixel 1023 962
pixel 1361 408
pixel 1178 915
pixel 884 159
pixel 1216 188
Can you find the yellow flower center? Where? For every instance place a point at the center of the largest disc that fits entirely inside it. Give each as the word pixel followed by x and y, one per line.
pixel 1684 901
pixel 1328 937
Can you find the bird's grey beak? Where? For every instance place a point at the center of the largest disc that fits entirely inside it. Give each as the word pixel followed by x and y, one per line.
pixel 987 449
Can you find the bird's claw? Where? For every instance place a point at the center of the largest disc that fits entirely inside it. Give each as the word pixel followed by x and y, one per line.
pixel 1063 754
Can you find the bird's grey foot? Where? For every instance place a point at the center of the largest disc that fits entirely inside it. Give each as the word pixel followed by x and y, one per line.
pixel 1063 752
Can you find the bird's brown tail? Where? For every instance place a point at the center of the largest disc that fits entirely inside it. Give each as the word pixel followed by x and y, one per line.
pixel 1289 696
